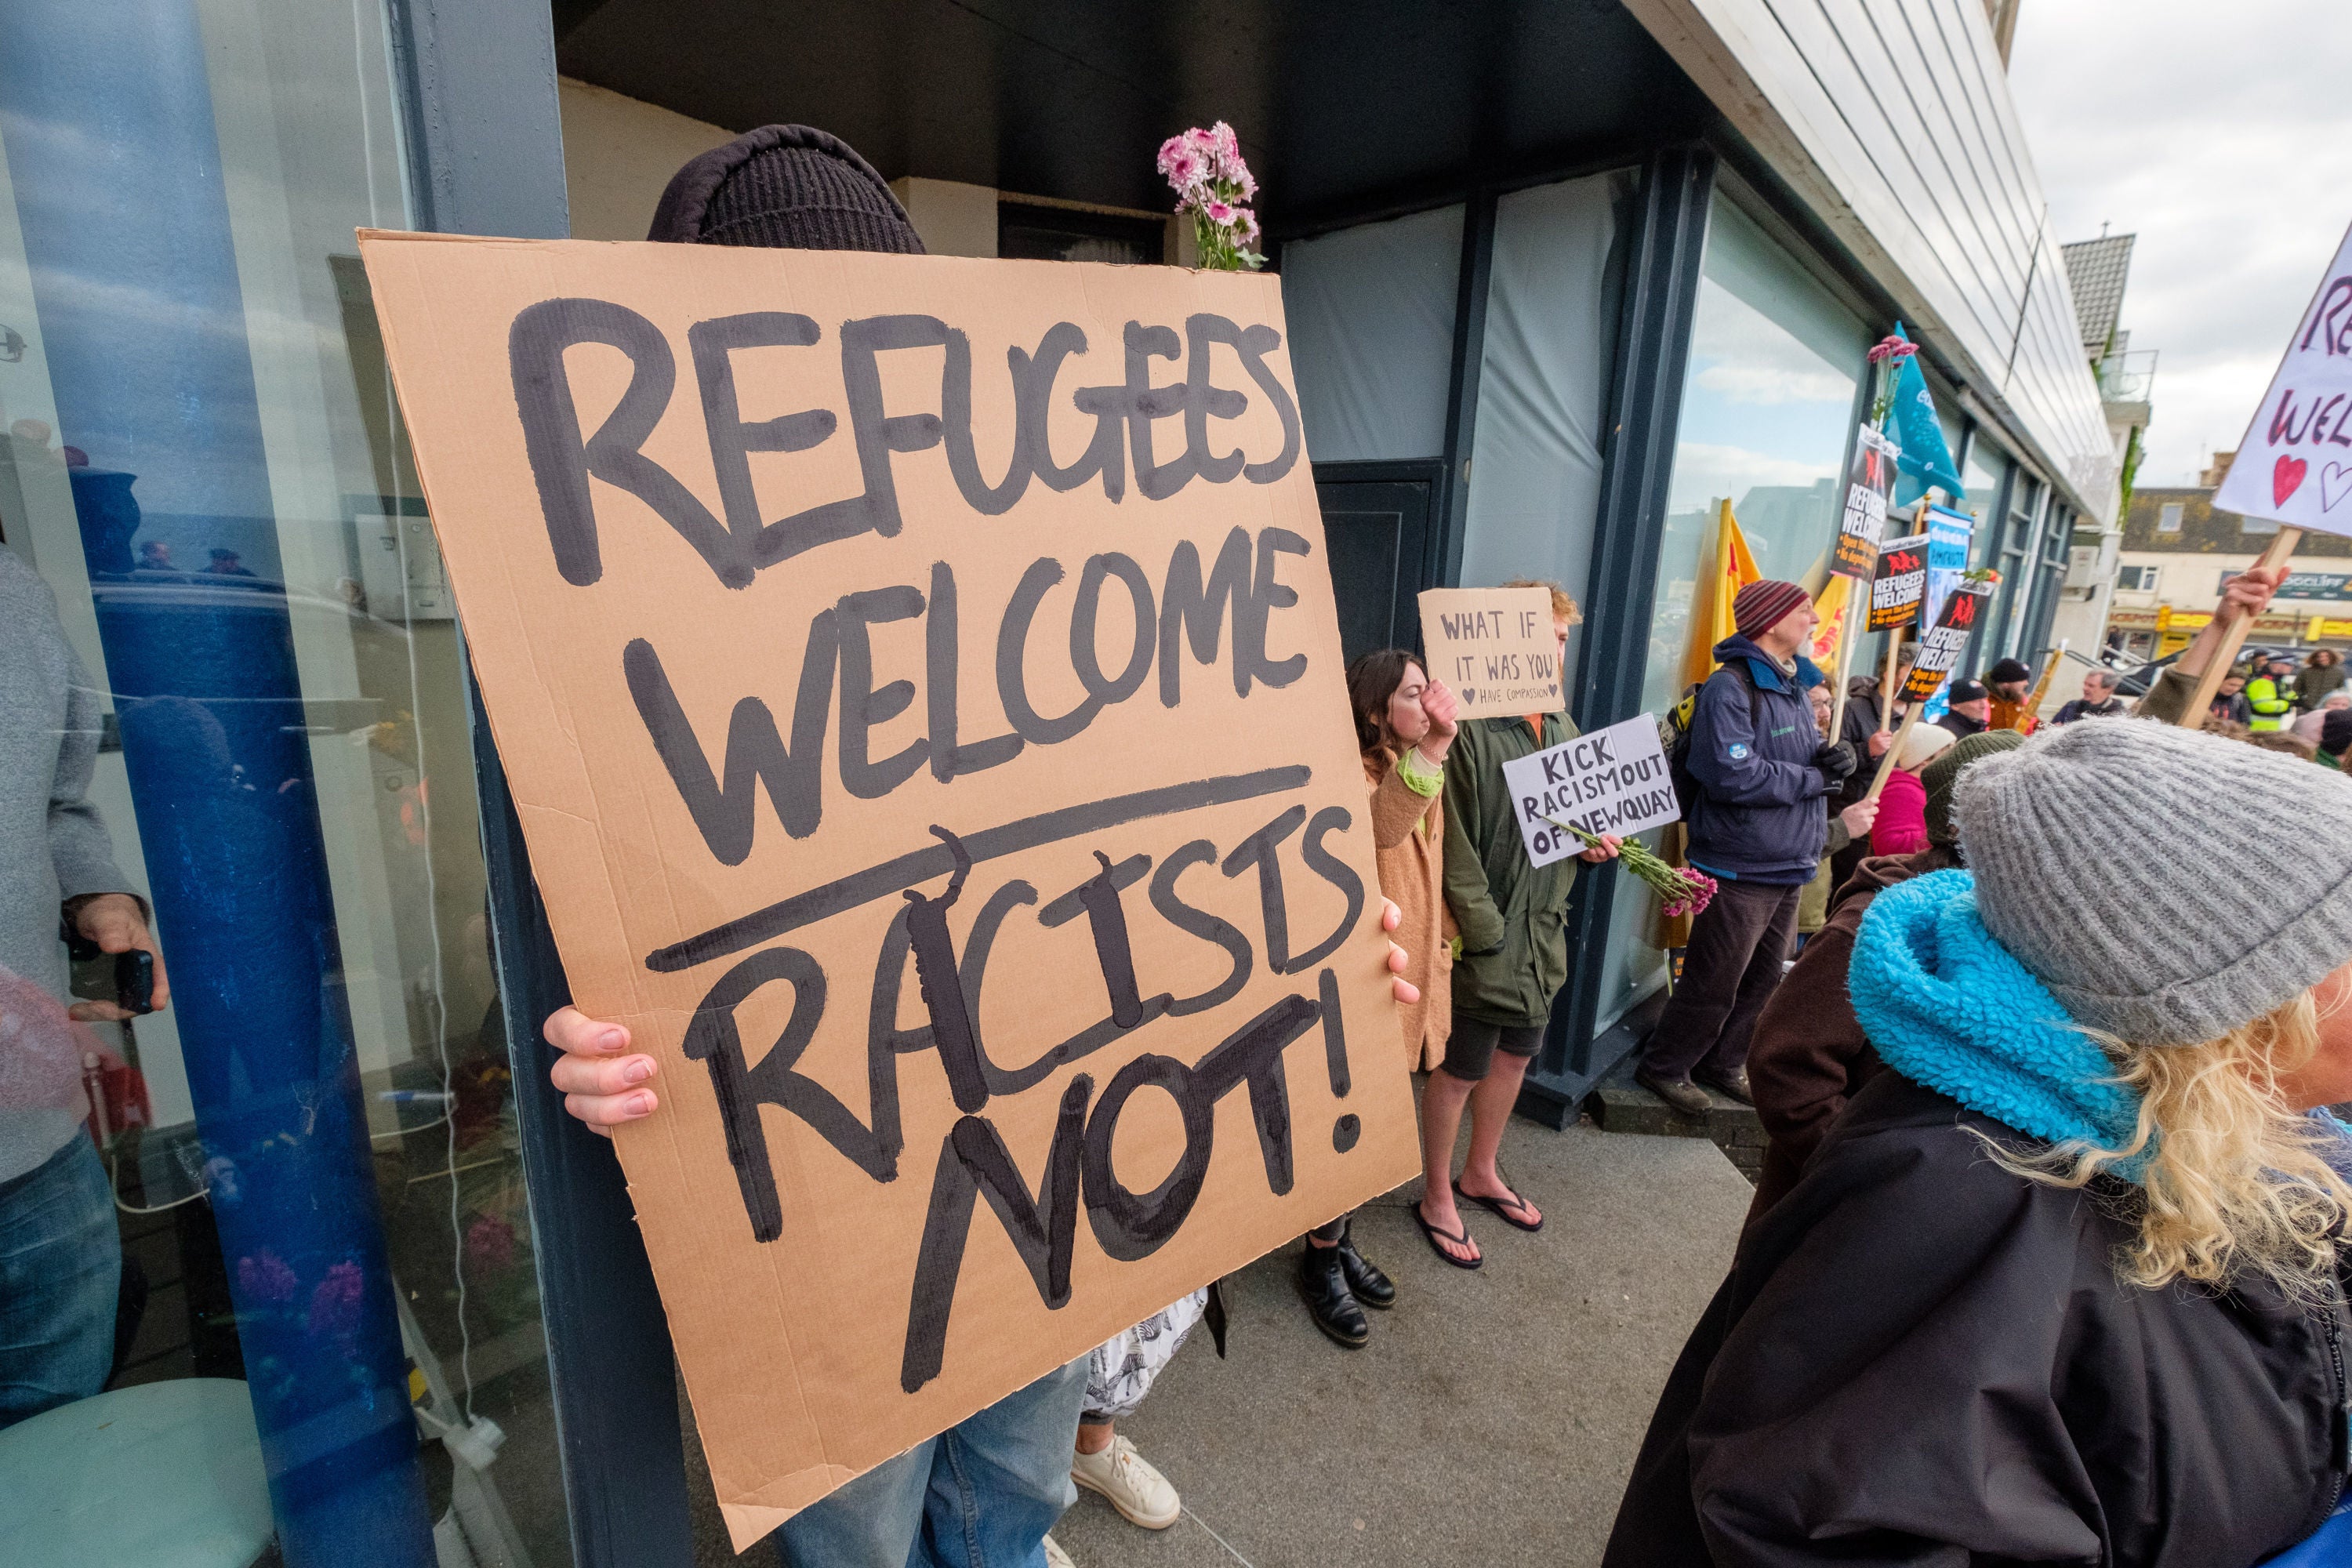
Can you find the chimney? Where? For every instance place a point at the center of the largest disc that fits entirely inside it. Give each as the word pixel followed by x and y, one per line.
pixel 2219 469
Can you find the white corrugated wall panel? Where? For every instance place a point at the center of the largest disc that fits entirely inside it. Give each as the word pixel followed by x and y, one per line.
pixel 1892 119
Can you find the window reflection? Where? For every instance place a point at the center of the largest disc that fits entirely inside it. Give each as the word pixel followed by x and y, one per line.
pixel 1771 401
pixel 298 1237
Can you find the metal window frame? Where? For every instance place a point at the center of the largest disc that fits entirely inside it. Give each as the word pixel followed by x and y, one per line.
pixel 1653 329
pixel 1676 183
pixel 484 144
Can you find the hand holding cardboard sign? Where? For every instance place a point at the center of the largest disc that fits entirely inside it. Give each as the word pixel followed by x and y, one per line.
pixel 2247 595
pixel 603 1085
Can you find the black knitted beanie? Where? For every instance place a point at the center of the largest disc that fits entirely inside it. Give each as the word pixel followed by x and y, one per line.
pixel 787 187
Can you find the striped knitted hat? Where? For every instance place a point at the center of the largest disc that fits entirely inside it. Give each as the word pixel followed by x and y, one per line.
pixel 2166 886
pixel 1940 774
pixel 784 186
pixel 1759 606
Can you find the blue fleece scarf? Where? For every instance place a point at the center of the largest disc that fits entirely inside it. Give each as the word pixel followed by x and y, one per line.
pixel 1949 1007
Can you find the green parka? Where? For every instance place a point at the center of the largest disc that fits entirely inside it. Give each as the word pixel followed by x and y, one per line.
pixel 1513 916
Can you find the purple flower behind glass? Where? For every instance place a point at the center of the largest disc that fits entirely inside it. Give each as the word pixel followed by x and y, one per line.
pixel 335 1304
pixel 266 1278
pixel 490 1241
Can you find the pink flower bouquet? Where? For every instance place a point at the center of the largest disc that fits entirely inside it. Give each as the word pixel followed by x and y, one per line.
pixel 1204 168
pixel 1683 890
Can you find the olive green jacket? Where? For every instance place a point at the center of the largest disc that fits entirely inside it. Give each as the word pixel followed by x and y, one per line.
pixel 1513 916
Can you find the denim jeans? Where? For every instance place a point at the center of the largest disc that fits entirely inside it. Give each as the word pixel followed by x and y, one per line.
pixel 61 1273
pixel 981 1494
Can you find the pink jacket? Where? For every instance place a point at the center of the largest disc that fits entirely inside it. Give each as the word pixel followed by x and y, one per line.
pixel 1901 825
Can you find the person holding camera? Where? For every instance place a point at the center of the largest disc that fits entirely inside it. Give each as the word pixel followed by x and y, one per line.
pixel 1758 826
pixel 60 1255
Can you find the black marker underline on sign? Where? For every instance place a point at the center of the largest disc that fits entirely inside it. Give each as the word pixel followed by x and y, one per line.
pixel 904 872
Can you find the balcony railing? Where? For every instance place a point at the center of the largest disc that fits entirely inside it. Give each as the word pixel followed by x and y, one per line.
pixel 2125 377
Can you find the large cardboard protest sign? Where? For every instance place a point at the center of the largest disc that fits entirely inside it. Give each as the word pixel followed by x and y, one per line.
pixel 1495 647
pixel 919 685
pixel 2295 463
pixel 1869 482
pixel 1611 780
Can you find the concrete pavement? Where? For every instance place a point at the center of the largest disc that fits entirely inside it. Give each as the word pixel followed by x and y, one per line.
pixel 1493 1417
pixel 1491 1421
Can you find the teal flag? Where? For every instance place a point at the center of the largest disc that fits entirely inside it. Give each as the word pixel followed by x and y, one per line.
pixel 1926 460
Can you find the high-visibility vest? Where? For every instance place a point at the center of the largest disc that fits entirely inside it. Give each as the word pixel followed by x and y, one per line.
pixel 2269 703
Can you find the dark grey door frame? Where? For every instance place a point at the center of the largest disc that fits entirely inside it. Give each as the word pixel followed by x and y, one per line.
pixel 1644 406
pixel 484 146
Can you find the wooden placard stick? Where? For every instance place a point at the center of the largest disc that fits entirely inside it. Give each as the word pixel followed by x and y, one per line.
pixel 2233 636
pixel 1887 762
pixel 1886 682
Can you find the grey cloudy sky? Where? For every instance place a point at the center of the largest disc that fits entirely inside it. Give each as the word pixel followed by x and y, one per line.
pixel 2222 136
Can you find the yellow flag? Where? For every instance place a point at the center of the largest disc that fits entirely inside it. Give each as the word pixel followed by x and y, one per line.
pixel 1729 569
pixel 1835 595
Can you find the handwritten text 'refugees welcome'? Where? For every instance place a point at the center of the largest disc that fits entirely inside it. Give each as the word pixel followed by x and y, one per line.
pixel 1185 601
pixel 1191 602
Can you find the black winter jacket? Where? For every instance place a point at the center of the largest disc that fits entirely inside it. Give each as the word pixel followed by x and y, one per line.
pixel 1759 816
pixel 1921 1359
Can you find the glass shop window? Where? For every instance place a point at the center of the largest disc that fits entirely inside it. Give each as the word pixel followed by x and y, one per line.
pixel 1770 402
pixel 259 1174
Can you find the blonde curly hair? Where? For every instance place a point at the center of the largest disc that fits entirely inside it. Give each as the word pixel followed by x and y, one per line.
pixel 2234 1181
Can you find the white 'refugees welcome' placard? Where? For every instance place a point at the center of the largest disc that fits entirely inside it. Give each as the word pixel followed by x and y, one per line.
pixel 1611 780
pixel 2295 463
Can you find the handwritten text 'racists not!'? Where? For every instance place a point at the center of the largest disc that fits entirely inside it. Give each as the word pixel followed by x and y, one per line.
pixel 563 457
pixel 974 1161
pixel 1192 608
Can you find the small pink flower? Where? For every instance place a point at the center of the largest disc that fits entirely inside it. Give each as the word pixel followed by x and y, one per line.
pixel 1220 212
pixel 1205 140
pixel 266 1278
pixel 1887 349
pixel 335 1304
pixel 1245 225
pixel 491 1240
pixel 1184 171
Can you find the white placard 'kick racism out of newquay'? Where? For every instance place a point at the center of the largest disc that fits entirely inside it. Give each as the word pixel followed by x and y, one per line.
pixel 1611 780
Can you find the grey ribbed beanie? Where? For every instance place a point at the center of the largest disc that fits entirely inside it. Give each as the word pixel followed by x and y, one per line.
pixel 2166 886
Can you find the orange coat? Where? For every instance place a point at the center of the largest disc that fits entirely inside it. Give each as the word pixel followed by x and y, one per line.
pixel 1409 847
pixel 2007 715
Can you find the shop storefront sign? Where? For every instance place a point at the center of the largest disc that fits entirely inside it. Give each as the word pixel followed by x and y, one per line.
pixel 2303 585
pixel 1495 647
pixel 920 684
pixel 1869 482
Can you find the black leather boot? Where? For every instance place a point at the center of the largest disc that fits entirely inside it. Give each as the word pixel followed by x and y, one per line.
pixel 1324 1286
pixel 1365 1282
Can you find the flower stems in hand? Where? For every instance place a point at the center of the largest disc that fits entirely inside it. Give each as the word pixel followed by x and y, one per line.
pixel 1684 891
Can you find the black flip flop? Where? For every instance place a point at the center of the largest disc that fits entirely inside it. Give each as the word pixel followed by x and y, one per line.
pixel 1430 1233
pixel 1494 1207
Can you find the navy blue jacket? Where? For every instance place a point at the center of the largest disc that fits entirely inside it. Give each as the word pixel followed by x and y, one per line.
pixel 1760 817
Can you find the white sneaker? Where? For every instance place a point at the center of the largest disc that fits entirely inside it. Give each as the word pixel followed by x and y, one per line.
pixel 1055 1556
pixel 1120 1474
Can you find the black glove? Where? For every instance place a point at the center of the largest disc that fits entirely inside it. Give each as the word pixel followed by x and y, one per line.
pixel 1835 760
